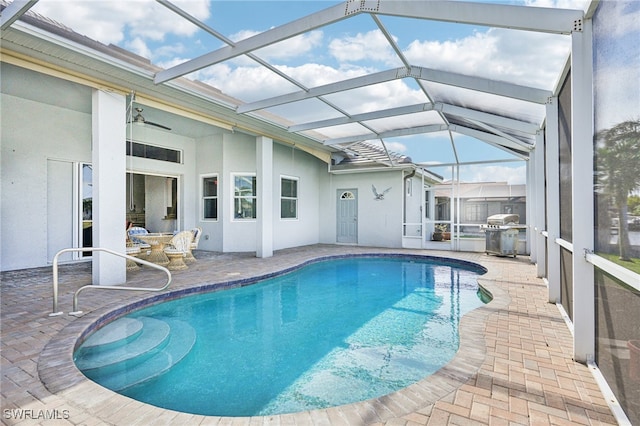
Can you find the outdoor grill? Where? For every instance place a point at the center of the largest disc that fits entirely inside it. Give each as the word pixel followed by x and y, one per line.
pixel 501 234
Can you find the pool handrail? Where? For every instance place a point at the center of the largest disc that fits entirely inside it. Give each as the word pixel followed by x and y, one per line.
pixel 103 287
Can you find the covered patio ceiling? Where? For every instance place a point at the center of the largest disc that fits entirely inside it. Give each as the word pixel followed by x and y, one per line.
pixel 409 98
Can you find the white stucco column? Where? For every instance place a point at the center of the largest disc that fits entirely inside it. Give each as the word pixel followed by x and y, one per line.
pixel 531 219
pixel 539 207
pixel 265 196
pixel 109 168
pixel 553 200
pixel 582 191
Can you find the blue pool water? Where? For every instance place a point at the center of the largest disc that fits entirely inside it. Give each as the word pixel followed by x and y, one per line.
pixel 330 333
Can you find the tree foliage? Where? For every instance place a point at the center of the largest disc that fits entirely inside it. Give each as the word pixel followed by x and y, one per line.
pixel 633 204
pixel 618 171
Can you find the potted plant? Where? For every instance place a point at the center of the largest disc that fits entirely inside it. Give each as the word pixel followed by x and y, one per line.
pixel 439 232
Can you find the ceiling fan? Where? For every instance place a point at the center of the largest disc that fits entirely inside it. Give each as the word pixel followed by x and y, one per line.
pixel 139 119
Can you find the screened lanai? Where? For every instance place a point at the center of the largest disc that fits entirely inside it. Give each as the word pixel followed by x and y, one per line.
pixel 513 93
pixel 383 82
pixel 468 106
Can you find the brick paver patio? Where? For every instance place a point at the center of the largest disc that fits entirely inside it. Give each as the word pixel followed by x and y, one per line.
pixel 514 366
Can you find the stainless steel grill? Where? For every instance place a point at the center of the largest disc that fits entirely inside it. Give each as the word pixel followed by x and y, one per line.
pixel 501 234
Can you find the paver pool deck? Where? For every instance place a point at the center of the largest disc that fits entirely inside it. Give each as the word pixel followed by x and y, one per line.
pixel 514 365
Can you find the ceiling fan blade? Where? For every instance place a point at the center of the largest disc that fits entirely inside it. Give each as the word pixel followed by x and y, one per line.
pixel 139 119
pixel 157 125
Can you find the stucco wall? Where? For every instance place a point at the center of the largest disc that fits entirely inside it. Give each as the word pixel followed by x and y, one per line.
pixel 307 169
pixel 45 136
pixel 45 132
pixel 32 134
pixel 239 156
pixel 209 161
pixel 379 221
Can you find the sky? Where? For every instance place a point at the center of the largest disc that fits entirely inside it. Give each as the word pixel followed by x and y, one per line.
pixel 617 87
pixel 346 49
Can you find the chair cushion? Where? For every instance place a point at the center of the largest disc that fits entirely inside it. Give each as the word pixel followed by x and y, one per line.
pixel 136 230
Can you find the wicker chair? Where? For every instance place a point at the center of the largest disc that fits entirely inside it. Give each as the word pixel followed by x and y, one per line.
pixel 177 249
pixel 197 233
pixel 132 250
pixel 131 234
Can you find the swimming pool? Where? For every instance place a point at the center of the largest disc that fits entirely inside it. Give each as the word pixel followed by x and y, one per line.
pixel 330 333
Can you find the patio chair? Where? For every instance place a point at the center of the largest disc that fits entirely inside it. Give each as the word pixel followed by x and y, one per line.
pixel 137 230
pixel 177 250
pixel 135 251
pixel 197 233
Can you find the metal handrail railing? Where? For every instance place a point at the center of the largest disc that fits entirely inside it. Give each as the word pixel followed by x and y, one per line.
pixel 100 287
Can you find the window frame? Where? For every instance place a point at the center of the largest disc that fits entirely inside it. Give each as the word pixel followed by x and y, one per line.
pixel 204 197
pixel 296 198
pixel 133 147
pixel 253 197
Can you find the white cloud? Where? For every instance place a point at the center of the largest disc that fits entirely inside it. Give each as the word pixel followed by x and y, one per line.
pixel 363 46
pixel 380 96
pixel 396 147
pixel 491 173
pixel 524 57
pixel 560 4
pixel 313 74
pixel 250 83
pixel 110 21
pixel 618 89
pixel 617 57
pixel 294 47
pixel 139 47
pixel 393 147
pixel 247 83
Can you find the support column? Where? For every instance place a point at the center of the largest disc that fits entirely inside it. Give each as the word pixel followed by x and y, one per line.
pixel 553 201
pixel 539 207
pixel 582 191
pixel 109 171
pixel 264 164
pixel 531 219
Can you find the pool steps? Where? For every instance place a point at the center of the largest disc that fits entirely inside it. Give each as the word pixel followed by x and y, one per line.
pixel 126 330
pixel 130 351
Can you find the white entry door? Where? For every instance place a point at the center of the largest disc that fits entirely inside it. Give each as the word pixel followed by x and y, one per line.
pixel 347 216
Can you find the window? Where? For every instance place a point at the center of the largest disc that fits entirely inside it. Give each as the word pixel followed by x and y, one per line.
pixel 86 208
pixel 141 150
pixel 244 196
pixel 288 198
pixel 210 197
pixel 476 212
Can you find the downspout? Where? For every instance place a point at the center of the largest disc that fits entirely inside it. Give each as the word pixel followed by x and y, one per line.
pixel 404 199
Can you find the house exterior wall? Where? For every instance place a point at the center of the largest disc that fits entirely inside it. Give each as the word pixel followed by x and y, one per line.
pixel 187 177
pixel 379 221
pixel 209 161
pixel 308 170
pixel 38 139
pixel 40 162
pixel 239 157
